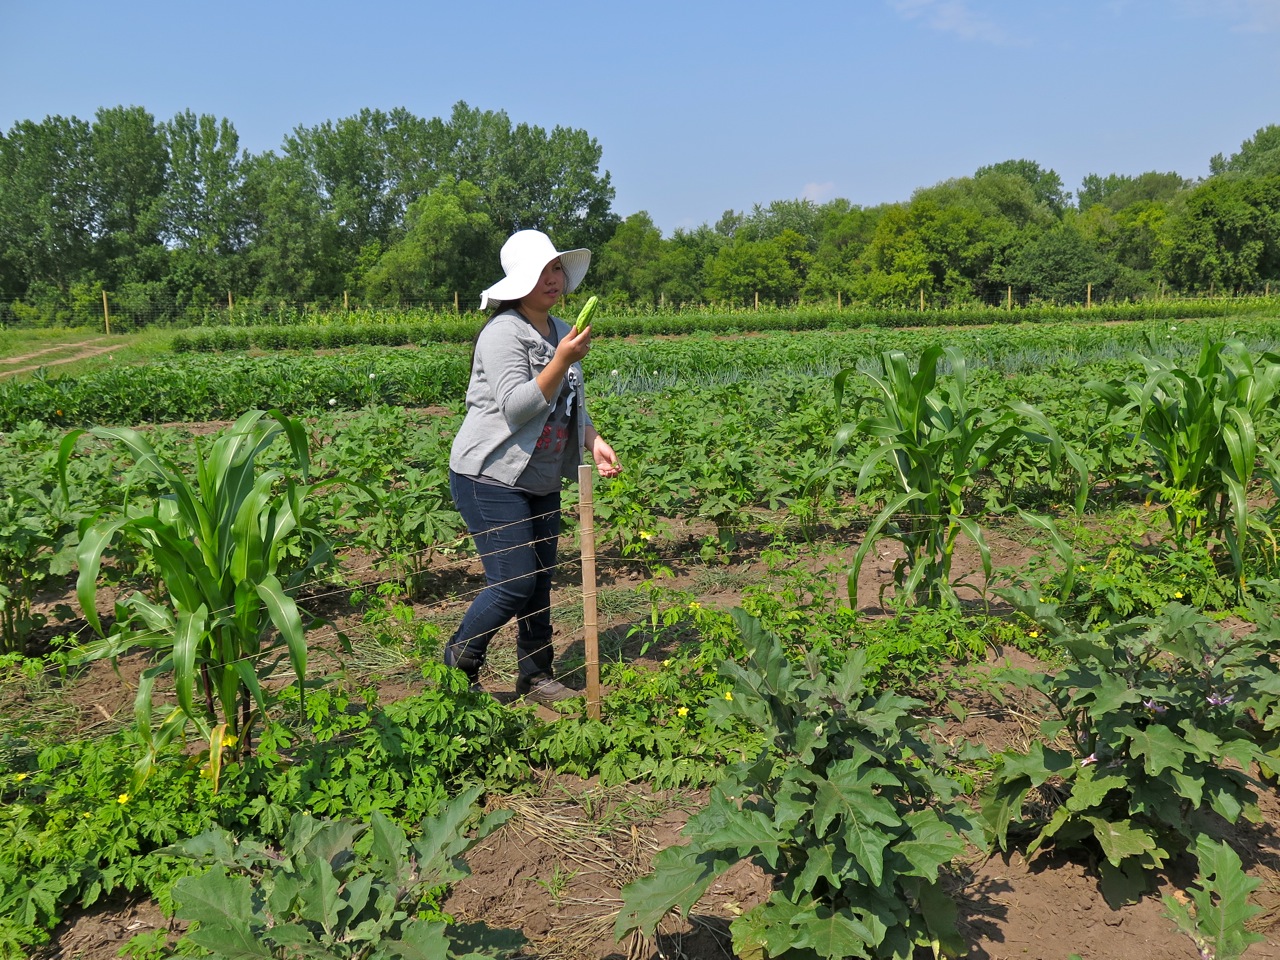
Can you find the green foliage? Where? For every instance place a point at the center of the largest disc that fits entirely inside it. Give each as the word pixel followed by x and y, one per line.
pixel 1215 919
pixel 1154 716
pixel 936 446
pixel 222 614
pixel 843 807
pixel 1202 425
pixel 317 896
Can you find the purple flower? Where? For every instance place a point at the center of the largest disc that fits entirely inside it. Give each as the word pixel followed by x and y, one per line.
pixel 1154 707
pixel 1217 701
pixel 1091 758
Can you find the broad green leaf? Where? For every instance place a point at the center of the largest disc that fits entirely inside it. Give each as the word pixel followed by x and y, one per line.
pixel 1120 839
pixel 1160 748
pixel 680 878
pixel 222 905
pixel 929 843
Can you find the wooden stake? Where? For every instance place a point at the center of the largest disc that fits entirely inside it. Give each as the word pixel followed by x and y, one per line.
pixel 1088 295
pixel 839 304
pixel 1009 299
pixel 922 299
pixel 106 315
pixel 346 304
pixel 590 629
pixel 455 302
pixel 757 299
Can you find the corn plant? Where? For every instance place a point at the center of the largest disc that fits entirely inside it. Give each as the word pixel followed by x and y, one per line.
pixel 844 807
pixel 230 547
pixel 1201 426
pixel 937 447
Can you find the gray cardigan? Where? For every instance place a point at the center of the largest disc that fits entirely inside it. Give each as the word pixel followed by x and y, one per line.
pixel 506 410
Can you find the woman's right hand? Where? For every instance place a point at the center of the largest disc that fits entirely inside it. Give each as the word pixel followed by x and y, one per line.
pixel 574 346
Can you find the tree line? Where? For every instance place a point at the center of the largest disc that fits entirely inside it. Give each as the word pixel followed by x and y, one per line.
pixel 393 209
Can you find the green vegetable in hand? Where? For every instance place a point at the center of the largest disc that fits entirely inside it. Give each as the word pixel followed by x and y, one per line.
pixel 584 317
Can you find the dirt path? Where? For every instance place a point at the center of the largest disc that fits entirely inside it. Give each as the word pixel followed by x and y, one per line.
pixel 9 365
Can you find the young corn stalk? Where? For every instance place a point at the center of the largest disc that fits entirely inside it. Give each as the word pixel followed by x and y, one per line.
pixel 231 547
pixel 936 447
pixel 1201 426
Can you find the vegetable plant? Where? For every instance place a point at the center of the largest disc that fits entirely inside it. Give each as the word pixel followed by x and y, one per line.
pixel 844 807
pixel 1201 425
pixel 1149 734
pixel 937 446
pixel 231 547
pixel 319 895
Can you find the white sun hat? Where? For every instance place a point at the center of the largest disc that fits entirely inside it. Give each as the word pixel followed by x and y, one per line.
pixel 524 255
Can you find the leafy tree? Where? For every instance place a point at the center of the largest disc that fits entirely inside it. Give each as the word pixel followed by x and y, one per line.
pixel 447 245
pixel 774 269
pixel 1116 191
pixel 1228 236
pixel 1059 265
pixel 532 179
pixel 681 271
pixel 128 171
pixel 293 252
pixel 1045 185
pixel 801 217
pixel 1258 157
pixel 628 266
pixel 46 217
pixel 844 231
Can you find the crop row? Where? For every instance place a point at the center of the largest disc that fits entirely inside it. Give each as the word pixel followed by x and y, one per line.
pixel 199 387
pixel 336 331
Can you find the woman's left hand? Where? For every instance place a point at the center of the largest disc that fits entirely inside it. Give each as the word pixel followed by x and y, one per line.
pixel 606 460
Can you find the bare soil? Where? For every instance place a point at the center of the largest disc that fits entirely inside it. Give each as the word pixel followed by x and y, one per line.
pixel 555 872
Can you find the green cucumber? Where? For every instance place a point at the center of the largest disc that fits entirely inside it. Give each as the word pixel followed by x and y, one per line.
pixel 585 316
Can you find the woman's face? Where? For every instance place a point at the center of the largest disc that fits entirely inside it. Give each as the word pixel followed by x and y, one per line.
pixel 548 289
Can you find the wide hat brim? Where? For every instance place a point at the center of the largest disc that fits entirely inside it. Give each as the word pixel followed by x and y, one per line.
pixel 524 255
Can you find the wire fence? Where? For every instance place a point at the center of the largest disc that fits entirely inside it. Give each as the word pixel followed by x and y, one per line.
pixel 315 594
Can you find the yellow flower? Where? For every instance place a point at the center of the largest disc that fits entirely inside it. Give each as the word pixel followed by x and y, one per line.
pixel 86 815
pixel 123 798
pixel 682 712
pixel 694 605
pixel 1083 568
pixel 19 777
pixel 230 739
pixel 728 694
pixel 1033 634
pixel 1178 595
pixel 646 535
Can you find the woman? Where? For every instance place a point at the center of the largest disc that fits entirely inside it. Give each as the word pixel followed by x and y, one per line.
pixel 524 432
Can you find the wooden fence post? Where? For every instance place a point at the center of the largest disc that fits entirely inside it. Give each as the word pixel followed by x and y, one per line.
pixel 757 299
pixel 590 629
pixel 839 302
pixel 1088 295
pixel 1009 298
pixel 922 299
pixel 346 304
pixel 106 315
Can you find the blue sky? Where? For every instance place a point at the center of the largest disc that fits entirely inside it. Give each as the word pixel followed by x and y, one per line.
pixel 700 107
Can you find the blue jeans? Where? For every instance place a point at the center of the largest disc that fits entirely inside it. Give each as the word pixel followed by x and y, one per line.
pixel 516 535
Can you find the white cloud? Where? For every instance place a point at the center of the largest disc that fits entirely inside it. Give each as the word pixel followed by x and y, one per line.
pixel 818 192
pixel 956 17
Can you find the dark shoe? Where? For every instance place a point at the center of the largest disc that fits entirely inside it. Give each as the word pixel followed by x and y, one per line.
pixel 545 689
pixel 464 662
